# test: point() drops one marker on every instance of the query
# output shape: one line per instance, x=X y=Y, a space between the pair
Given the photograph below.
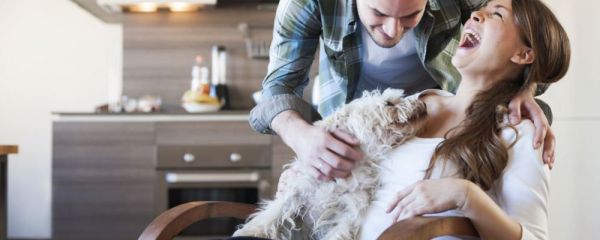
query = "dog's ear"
x=393 y=96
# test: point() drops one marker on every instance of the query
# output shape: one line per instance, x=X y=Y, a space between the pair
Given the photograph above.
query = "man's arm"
x=524 y=105
x=282 y=110
x=296 y=32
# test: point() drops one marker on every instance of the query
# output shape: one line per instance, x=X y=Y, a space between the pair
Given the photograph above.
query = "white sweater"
x=522 y=191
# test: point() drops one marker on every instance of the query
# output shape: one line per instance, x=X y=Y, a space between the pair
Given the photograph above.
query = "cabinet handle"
x=188 y=157
x=235 y=157
x=207 y=177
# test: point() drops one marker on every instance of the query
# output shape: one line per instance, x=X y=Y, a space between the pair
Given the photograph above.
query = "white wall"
x=575 y=191
x=53 y=57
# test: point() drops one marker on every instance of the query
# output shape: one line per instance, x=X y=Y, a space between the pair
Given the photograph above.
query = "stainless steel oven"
x=212 y=173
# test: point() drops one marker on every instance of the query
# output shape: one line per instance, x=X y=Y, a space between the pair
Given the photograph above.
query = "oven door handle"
x=211 y=177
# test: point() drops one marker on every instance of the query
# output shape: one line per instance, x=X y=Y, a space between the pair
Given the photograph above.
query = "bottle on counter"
x=200 y=80
x=198 y=98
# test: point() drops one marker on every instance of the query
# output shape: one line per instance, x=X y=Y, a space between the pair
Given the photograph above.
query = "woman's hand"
x=429 y=196
x=524 y=105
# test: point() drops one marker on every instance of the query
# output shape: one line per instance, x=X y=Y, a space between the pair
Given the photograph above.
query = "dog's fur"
x=310 y=209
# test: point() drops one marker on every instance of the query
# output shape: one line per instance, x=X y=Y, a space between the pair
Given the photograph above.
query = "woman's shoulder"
x=427 y=92
x=522 y=154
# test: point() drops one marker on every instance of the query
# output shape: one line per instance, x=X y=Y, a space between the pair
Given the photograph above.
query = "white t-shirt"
x=522 y=190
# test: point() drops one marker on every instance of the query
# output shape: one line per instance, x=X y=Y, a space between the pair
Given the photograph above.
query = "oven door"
x=245 y=186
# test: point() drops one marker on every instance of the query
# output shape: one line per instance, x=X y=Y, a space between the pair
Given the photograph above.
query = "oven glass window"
x=217 y=227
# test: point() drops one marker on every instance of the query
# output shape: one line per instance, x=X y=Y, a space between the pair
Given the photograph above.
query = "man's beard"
x=390 y=44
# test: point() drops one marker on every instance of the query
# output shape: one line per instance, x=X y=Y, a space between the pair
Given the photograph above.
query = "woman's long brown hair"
x=476 y=144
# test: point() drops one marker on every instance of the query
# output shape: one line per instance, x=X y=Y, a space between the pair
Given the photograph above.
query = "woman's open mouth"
x=470 y=39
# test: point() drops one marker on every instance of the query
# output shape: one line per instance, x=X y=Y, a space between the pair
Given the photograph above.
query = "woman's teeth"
x=471 y=39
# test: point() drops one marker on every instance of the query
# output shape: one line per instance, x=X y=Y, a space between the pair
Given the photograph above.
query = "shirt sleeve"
x=296 y=33
x=525 y=183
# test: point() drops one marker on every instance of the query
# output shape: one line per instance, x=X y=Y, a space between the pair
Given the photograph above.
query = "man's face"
x=388 y=20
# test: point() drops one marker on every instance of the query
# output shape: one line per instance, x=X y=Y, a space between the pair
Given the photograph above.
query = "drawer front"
x=227 y=156
x=209 y=133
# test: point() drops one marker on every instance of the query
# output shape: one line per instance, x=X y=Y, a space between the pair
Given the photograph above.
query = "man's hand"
x=330 y=154
x=524 y=105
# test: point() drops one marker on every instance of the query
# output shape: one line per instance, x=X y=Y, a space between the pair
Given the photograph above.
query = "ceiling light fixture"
x=145 y=7
x=153 y=5
x=183 y=7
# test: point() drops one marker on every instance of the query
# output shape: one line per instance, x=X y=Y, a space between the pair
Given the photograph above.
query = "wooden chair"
x=171 y=222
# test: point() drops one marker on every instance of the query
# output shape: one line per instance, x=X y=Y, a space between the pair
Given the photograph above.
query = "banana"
x=191 y=96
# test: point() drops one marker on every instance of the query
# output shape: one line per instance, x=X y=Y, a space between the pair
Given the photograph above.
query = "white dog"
x=310 y=209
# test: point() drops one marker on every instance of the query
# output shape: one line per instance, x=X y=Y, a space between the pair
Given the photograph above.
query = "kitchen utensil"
x=219 y=87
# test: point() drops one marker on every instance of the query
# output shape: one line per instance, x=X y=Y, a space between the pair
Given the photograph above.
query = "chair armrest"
x=171 y=222
x=419 y=228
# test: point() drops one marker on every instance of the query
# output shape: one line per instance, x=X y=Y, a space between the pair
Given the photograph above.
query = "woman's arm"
x=488 y=218
x=521 y=207
x=438 y=195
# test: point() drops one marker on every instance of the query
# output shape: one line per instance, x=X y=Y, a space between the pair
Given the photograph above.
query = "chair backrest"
x=171 y=222
x=418 y=228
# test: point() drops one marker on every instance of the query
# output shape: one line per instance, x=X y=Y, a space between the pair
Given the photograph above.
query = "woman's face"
x=490 y=41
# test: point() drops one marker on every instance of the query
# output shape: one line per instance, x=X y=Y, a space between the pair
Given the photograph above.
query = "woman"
x=472 y=161
x=476 y=163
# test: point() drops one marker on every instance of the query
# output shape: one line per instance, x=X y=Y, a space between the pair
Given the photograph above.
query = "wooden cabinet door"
x=103 y=180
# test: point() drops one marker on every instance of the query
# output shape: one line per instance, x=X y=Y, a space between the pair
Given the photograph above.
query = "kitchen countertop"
x=8 y=149
x=173 y=116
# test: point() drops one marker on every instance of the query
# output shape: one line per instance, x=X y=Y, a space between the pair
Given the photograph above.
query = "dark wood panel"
x=85 y=156
x=103 y=180
x=208 y=133
x=102 y=133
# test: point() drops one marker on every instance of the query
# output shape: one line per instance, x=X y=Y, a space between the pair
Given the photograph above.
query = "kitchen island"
x=110 y=170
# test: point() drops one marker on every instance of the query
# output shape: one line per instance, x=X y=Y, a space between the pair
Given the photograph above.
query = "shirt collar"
x=352 y=14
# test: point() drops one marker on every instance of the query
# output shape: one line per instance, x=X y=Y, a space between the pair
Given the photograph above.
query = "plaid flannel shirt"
x=301 y=25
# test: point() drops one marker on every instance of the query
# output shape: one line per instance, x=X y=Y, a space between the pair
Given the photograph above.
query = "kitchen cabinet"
x=102 y=180
x=109 y=171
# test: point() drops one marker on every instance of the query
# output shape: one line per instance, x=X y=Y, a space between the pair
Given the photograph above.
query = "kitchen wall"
x=159 y=51
x=53 y=57
x=56 y=57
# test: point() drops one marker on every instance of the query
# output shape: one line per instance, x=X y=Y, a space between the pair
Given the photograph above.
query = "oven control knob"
x=235 y=157
x=188 y=157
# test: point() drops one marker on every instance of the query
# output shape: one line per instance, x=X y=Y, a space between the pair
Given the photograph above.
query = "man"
x=363 y=45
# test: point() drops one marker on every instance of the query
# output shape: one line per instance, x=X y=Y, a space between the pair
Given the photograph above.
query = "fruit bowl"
x=200 y=107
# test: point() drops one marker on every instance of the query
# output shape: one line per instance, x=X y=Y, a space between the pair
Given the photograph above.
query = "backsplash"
x=159 y=51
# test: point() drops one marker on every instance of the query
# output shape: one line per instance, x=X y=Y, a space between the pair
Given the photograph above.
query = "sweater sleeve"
x=524 y=187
